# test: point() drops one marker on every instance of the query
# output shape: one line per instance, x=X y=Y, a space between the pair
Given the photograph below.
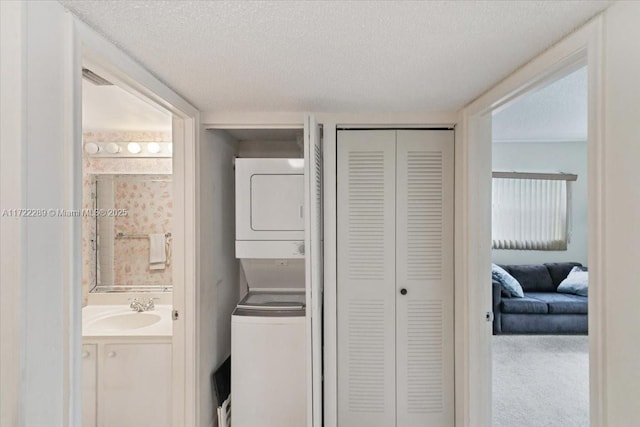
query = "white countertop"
x=95 y=321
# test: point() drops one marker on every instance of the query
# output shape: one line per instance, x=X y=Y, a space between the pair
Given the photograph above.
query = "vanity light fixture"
x=91 y=148
x=134 y=148
x=153 y=147
x=139 y=149
x=112 y=148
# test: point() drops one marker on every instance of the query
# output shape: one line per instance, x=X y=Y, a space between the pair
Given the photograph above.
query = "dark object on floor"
x=542 y=310
x=221 y=381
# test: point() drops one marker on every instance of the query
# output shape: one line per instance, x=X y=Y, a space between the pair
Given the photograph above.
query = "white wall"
x=258 y=149
x=113 y=108
x=11 y=159
x=568 y=157
x=219 y=272
x=621 y=247
x=37 y=42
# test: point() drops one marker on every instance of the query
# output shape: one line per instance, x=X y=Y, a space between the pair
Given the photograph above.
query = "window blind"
x=529 y=214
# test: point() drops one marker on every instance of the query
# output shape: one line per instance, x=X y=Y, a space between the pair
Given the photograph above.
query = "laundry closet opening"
x=254 y=265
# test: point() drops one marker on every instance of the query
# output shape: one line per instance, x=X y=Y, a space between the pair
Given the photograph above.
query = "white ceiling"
x=556 y=112
x=112 y=108
x=340 y=56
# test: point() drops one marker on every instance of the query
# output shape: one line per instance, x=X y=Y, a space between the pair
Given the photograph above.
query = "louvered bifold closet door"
x=366 y=276
x=424 y=278
x=313 y=267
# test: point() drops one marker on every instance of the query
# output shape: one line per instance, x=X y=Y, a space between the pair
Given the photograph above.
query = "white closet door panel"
x=424 y=268
x=366 y=276
x=314 y=267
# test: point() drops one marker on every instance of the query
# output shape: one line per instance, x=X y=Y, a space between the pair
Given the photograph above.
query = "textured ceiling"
x=557 y=112
x=109 y=107
x=333 y=56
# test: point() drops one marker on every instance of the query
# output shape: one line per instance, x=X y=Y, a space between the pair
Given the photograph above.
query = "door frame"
x=105 y=58
x=473 y=221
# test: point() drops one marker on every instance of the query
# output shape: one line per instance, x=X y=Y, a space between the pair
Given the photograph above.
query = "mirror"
x=132 y=239
x=127 y=164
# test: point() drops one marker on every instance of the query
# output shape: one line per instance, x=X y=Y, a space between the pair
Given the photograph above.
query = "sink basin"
x=124 y=321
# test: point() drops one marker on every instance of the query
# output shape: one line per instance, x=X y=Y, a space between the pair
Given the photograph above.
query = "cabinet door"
x=366 y=277
x=313 y=266
x=89 y=384
x=136 y=385
x=424 y=278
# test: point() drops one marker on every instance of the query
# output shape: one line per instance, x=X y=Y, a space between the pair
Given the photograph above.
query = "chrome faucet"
x=136 y=305
x=145 y=305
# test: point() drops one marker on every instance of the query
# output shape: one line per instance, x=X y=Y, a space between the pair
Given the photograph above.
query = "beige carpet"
x=540 y=381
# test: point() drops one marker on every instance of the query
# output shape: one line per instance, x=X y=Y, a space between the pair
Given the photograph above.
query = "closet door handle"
x=403 y=291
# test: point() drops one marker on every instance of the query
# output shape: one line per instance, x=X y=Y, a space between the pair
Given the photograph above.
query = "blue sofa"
x=542 y=310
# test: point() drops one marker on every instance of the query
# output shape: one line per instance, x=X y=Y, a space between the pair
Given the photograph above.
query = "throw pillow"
x=577 y=282
x=508 y=283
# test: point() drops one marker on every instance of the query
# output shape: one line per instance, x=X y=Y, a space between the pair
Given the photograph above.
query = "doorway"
x=539 y=238
x=474 y=336
x=127 y=251
x=107 y=61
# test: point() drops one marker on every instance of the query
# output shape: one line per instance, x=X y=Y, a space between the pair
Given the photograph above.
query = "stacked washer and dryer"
x=268 y=327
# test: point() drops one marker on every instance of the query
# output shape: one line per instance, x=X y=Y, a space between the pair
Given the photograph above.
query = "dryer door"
x=277 y=202
x=269 y=199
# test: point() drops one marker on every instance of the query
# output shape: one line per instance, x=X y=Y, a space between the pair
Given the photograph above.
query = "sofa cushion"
x=577 y=282
x=560 y=270
x=508 y=283
x=544 y=324
x=562 y=303
x=525 y=305
x=532 y=278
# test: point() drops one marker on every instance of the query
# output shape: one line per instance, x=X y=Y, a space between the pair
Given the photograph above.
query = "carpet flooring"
x=540 y=381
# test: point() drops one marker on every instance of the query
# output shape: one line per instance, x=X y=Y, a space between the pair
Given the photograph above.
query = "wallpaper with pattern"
x=149 y=204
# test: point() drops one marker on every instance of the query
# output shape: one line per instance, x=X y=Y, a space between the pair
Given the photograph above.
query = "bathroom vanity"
x=126 y=366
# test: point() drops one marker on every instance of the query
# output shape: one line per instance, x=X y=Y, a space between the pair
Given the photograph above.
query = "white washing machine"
x=268 y=360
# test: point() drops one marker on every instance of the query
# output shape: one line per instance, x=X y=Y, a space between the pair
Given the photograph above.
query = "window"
x=530 y=211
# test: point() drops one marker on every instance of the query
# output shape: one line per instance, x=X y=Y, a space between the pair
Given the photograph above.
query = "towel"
x=167 y=249
x=157 y=252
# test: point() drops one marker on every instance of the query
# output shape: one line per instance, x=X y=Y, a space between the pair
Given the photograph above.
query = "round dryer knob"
x=403 y=291
x=301 y=248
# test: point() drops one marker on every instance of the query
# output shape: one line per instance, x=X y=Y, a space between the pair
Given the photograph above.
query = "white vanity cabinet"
x=136 y=385
x=89 y=384
x=126 y=382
